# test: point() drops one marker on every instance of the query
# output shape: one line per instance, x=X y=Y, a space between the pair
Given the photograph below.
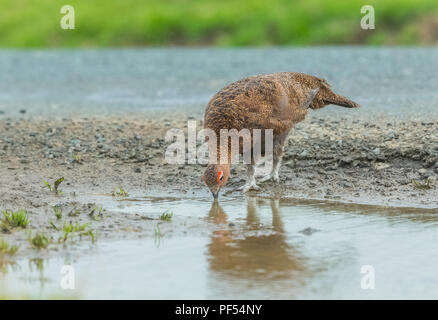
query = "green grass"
x=36 y=23
x=38 y=241
x=52 y=224
x=58 y=212
x=425 y=184
x=14 y=219
x=119 y=193
x=96 y=213
x=55 y=187
x=6 y=248
x=166 y=216
x=157 y=235
x=77 y=158
x=69 y=229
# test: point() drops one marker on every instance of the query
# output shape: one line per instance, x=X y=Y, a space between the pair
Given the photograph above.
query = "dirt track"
x=324 y=159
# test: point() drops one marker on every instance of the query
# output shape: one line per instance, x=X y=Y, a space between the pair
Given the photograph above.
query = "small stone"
x=303 y=154
x=344 y=161
x=347 y=184
x=403 y=181
x=132 y=154
x=76 y=143
x=291 y=164
x=380 y=165
x=309 y=231
x=137 y=170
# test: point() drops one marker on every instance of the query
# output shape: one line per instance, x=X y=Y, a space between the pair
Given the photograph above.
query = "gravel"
x=324 y=159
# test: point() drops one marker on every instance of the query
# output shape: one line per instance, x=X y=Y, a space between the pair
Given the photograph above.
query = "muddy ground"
x=381 y=163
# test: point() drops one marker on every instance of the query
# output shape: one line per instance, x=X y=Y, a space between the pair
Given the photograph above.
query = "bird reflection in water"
x=251 y=249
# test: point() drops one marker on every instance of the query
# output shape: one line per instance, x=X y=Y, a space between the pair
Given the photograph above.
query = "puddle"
x=249 y=249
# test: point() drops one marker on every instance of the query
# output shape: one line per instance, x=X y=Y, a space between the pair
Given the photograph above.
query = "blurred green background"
x=115 y=23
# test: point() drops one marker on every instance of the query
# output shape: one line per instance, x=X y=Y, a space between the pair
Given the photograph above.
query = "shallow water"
x=250 y=248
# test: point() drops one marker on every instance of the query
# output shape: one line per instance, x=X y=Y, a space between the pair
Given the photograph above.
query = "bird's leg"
x=276 y=168
x=278 y=155
x=251 y=183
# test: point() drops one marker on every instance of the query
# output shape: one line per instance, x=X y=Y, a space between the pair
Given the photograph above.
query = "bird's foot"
x=249 y=186
x=272 y=176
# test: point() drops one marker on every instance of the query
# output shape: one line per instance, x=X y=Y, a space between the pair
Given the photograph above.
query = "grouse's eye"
x=220 y=176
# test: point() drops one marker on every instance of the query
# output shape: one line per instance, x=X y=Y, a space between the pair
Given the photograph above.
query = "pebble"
x=76 y=143
x=290 y=164
x=311 y=149
x=344 y=161
x=376 y=151
x=380 y=165
x=308 y=231
x=303 y=154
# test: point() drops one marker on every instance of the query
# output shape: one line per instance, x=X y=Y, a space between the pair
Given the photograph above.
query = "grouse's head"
x=216 y=177
x=325 y=95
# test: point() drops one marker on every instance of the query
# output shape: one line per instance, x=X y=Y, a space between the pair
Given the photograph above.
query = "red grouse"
x=273 y=101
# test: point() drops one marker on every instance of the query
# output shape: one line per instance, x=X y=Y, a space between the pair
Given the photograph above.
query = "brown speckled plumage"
x=273 y=101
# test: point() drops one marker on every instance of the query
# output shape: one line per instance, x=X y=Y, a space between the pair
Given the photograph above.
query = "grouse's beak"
x=342 y=101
